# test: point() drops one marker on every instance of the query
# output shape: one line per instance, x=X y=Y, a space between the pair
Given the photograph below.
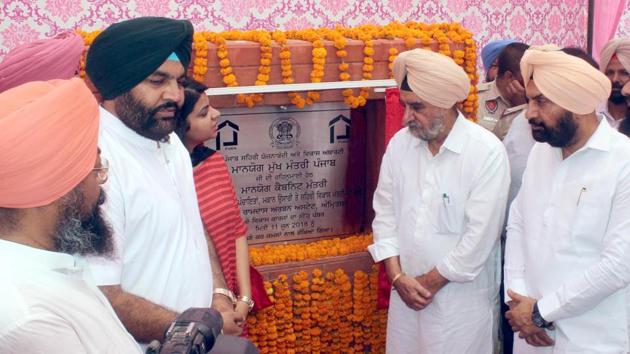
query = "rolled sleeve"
x=385 y=249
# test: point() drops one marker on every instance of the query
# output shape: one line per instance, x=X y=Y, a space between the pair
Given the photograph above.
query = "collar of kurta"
x=114 y=123
x=13 y=255
x=455 y=139
x=600 y=140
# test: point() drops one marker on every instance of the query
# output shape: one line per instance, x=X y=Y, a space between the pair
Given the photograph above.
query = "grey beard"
x=84 y=237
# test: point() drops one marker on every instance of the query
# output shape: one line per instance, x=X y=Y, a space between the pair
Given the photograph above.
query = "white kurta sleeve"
x=108 y=270
x=610 y=274
x=46 y=334
x=384 y=225
x=484 y=212
x=514 y=257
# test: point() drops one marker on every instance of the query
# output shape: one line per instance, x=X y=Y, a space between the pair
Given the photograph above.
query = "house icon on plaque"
x=227 y=134
x=341 y=124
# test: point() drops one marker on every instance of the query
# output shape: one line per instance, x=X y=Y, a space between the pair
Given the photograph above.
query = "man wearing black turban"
x=162 y=262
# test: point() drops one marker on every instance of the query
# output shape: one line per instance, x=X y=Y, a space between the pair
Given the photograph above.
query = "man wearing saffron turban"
x=566 y=263
x=50 y=217
x=440 y=204
x=163 y=263
x=45 y=59
x=615 y=64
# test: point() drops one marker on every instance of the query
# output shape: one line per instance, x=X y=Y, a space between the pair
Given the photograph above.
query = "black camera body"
x=193 y=332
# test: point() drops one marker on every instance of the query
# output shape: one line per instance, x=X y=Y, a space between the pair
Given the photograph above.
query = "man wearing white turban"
x=439 y=206
x=615 y=64
x=568 y=243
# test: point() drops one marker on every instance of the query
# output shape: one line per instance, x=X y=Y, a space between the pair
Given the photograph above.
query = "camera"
x=193 y=332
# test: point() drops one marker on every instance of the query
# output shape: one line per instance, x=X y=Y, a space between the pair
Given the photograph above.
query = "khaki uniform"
x=495 y=113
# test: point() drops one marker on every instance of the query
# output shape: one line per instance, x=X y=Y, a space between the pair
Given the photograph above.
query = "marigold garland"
x=277 y=254
x=302 y=312
x=412 y=33
x=329 y=313
x=88 y=38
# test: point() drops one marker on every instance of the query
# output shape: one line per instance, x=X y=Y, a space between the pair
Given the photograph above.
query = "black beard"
x=562 y=135
x=75 y=234
x=616 y=97
x=141 y=119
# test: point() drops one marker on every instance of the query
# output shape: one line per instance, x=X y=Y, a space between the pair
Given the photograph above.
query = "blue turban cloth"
x=491 y=51
x=128 y=52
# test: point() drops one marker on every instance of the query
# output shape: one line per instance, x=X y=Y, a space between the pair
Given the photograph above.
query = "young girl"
x=218 y=204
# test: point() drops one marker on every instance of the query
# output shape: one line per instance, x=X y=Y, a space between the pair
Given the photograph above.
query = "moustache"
x=537 y=123
x=165 y=106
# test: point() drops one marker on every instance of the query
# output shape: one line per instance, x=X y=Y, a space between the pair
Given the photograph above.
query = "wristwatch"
x=249 y=301
x=538 y=320
x=227 y=293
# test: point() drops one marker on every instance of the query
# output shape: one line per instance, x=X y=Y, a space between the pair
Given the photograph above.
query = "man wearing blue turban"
x=489 y=55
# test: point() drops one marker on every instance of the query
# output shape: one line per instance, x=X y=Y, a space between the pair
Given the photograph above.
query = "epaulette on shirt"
x=514 y=109
x=484 y=86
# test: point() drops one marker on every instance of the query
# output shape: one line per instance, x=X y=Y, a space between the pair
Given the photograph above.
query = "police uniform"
x=495 y=113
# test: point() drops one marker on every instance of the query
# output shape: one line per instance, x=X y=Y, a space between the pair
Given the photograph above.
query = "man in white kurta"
x=162 y=264
x=568 y=241
x=50 y=217
x=439 y=206
x=615 y=64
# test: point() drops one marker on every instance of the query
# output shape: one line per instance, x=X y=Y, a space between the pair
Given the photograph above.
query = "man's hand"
x=520 y=318
x=433 y=281
x=516 y=93
x=539 y=339
x=412 y=293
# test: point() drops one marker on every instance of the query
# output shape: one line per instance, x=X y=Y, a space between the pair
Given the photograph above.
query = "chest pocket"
x=591 y=216
x=586 y=208
x=449 y=211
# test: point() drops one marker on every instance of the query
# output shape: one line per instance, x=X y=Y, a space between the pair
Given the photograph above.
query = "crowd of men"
x=552 y=156
x=102 y=244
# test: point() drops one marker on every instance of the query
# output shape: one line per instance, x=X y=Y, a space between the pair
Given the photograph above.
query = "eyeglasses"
x=101 y=172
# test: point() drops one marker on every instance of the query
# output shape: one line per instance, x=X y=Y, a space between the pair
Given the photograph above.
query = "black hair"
x=404 y=85
x=192 y=92
x=510 y=58
x=580 y=53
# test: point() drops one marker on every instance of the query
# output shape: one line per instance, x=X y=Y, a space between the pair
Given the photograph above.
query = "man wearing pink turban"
x=50 y=216
x=45 y=59
x=615 y=64
x=568 y=243
x=440 y=205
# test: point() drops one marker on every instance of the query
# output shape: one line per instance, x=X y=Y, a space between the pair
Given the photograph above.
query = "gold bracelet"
x=396 y=277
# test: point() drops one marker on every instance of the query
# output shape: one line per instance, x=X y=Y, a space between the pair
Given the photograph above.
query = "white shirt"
x=160 y=246
x=49 y=303
x=518 y=142
x=603 y=110
x=447 y=211
x=568 y=241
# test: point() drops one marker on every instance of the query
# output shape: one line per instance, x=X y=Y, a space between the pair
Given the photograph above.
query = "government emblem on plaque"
x=284 y=133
